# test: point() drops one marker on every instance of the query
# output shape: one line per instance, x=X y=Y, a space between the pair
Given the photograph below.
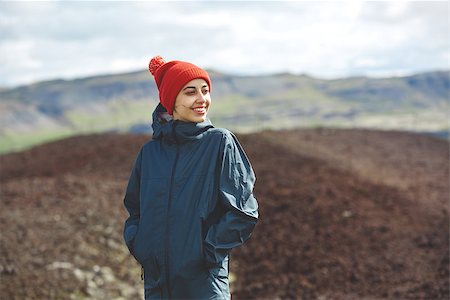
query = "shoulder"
x=225 y=137
x=228 y=140
x=149 y=147
x=150 y=143
x=222 y=133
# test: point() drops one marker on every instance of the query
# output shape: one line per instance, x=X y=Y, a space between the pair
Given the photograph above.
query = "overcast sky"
x=47 y=40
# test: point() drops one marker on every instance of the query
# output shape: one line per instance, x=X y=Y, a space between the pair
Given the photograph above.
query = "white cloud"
x=327 y=39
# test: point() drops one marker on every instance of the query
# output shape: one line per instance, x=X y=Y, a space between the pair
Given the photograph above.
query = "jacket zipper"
x=172 y=178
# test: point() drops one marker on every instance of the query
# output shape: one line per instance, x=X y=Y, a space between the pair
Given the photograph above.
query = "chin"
x=199 y=120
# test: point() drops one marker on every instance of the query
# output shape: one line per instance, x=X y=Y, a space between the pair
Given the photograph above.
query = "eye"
x=205 y=91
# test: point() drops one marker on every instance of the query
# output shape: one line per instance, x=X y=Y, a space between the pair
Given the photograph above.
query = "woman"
x=189 y=195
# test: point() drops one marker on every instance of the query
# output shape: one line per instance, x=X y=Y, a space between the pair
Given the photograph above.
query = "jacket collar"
x=165 y=128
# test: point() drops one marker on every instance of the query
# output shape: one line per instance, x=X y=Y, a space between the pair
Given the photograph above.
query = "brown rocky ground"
x=345 y=214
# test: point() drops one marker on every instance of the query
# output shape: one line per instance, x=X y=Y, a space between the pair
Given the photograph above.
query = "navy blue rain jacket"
x=190 y=201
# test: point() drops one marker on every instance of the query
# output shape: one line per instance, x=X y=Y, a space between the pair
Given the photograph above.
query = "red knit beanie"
x=171 y=76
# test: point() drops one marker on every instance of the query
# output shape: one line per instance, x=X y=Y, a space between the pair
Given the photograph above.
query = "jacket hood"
x=167 y=129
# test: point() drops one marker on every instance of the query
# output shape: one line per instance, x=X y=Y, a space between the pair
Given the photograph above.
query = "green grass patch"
x=228 y=105
x=19 y=141
x=117 y=115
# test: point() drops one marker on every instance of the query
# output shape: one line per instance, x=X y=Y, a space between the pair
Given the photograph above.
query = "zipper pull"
x=142 y=273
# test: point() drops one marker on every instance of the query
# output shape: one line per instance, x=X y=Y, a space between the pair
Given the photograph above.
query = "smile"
x=200 y=110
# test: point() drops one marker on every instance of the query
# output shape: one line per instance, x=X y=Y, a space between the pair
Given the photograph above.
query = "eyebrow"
x=193 y=87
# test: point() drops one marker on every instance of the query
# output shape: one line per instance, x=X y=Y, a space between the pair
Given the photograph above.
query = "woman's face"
x=192 y=102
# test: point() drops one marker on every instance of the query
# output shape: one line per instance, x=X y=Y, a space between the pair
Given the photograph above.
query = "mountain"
x=53 y=109
x=344 y=214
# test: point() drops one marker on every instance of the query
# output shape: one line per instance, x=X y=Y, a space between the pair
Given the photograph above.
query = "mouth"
x=201 y=110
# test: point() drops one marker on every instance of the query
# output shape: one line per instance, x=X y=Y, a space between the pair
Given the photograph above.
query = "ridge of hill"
x=54 y=109
x=344 y=214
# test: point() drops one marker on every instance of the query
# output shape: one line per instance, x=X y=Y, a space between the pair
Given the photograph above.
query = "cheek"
x=184 y=102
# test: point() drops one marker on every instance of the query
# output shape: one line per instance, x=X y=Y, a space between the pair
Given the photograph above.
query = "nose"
x=201 y=98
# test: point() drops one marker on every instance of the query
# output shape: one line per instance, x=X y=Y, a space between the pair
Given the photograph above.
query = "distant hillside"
x=53 y=109
x=344 y=214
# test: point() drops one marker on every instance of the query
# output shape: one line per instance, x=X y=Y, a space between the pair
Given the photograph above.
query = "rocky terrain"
x=344 y=214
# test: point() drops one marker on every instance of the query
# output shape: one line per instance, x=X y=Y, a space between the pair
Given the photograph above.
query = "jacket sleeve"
x=132 y=203
x=236 y=195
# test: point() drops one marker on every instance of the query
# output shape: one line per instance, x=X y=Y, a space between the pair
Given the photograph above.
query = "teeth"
x=200 y=109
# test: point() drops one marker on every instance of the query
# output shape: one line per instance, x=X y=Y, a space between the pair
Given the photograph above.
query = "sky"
x=61 y=39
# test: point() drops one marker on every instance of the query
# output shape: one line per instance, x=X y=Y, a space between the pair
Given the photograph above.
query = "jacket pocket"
x=135 y=246
x=150 y=232
x=132 y=243
x=220 y=271
x=152 y=274
x=202 y=235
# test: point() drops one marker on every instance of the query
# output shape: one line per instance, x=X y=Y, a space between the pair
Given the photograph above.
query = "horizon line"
x=397 y=74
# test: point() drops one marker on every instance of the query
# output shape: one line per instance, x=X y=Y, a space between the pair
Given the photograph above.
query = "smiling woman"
x=190 y=193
